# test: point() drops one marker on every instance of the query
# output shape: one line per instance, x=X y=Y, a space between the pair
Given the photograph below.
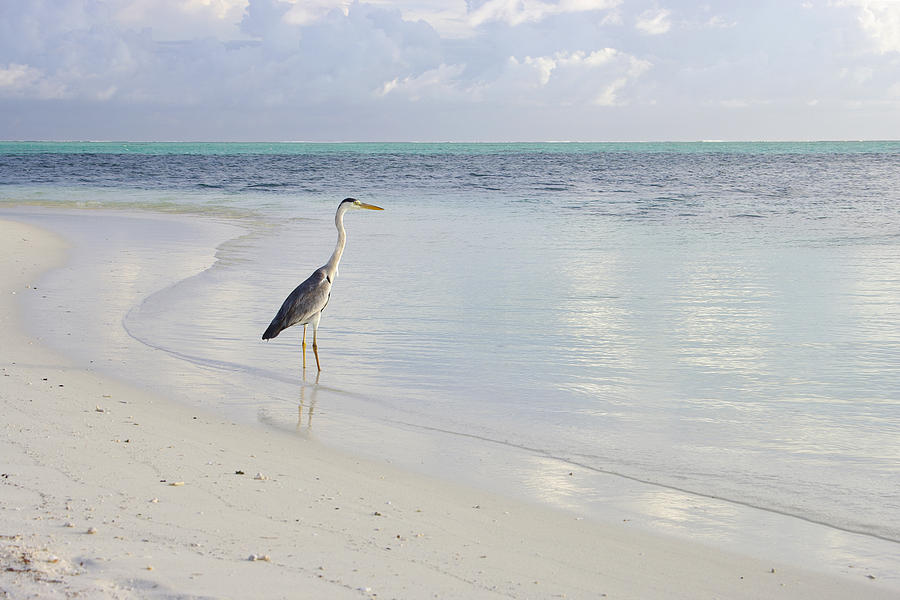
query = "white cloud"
x=880 y=19
x=516 y=12
x=305 y=12
x=545 y=65
x=719 y=22
x=330 y=65
x=453 y=18
x=609 y=95
x=654 y=21
x=448 y=17
x=23 y=80
x=568 y=78
x=180 y=19
x=440 y=82
x=15 y=77
x=270 y=53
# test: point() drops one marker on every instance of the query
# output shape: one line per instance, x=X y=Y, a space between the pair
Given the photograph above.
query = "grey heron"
x=305 y=304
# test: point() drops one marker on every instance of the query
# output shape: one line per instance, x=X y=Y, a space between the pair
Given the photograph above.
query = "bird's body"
x=305 y=304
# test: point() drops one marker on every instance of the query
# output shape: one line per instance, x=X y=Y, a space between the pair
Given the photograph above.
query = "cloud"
x=566 y=78
x=654 y=21
x=305 y=12
x=17 y=80
x=880 y=20
x=516 y=12
x=459 y=18
x=719 y=22
x=267 y=58
x=291 y=69
x=179 y=19
x=437 y=83
x=571 y=78
x=269 y=53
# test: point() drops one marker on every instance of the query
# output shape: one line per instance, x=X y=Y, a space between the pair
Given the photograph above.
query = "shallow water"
x=719 y=330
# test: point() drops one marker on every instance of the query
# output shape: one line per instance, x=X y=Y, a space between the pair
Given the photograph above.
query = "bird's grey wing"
x=307 y=299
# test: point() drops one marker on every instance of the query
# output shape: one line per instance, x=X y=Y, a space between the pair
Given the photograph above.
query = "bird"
x=305 y=304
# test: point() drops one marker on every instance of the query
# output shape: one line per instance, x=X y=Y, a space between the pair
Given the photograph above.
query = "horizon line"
x=211 y=141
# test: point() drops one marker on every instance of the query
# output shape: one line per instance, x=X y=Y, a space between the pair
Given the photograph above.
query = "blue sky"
x=462 y=70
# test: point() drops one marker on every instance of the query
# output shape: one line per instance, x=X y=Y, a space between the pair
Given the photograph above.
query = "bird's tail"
x=273 y=330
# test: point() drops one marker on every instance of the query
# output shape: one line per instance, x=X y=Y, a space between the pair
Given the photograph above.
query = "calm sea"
x=716 y=323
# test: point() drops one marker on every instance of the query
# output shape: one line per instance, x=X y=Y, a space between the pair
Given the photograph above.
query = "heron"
x=305 y=304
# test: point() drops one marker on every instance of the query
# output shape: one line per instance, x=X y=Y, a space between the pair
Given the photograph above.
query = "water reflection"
x=308 y=405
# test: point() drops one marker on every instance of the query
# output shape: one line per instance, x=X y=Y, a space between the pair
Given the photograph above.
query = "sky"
x=449 y=70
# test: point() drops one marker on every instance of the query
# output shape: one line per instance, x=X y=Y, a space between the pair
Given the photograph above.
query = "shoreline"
x=85 y=450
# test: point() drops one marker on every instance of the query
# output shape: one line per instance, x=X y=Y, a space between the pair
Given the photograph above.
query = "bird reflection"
x=309 y=406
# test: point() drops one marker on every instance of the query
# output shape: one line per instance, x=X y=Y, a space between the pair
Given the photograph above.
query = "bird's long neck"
x=331 y=268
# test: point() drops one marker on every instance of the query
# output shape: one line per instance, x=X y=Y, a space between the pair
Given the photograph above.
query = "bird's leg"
x=316 y=349
x=304 y=347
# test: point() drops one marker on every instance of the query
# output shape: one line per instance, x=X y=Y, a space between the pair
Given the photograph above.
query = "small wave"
x=584 y=462
x=267 y=185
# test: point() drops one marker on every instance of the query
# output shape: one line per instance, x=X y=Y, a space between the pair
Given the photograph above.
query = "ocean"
x=700 y=337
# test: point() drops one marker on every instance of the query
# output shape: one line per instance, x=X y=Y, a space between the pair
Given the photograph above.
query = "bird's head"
x=352 y=203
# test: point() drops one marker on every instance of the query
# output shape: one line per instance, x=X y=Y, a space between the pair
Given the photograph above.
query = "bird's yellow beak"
x=369 y=206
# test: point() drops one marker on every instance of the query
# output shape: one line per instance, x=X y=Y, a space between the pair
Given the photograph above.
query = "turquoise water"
x=288 y=148
x=716 y=323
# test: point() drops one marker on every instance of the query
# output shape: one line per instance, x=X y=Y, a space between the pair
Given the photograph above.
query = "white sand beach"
x=109 y=491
